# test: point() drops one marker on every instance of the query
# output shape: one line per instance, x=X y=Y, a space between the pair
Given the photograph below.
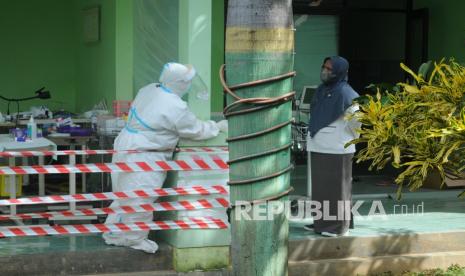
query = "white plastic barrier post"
x=25 y=162
x=11 y=162
x=309 y=174
x=83 y=158
x=72 y=183
x=41 y=178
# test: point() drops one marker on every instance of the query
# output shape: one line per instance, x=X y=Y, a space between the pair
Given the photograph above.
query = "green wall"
x=316 y=37
x=96 y=73
x=217 y=54
x=182 y=31
x=447 y=28
x=195 y=47
x=155 y=39
x=42 y=45
x=37 y=49
x=124 y=51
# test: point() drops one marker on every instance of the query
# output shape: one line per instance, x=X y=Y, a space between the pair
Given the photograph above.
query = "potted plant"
x=420 y=128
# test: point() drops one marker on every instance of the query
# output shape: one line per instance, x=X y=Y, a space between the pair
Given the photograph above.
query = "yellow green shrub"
x=418 y=129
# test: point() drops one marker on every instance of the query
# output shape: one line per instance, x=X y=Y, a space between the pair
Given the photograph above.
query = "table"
x=44 y=121
x=7 y=143
x=72 y=142
x=106 y=141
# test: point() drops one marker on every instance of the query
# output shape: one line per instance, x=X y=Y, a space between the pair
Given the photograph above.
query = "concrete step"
x=313 y=249
x=169 y=273
x=374 y=265
x=312 y=256
x=107 y=260
x=140 y=273
x=341 y=267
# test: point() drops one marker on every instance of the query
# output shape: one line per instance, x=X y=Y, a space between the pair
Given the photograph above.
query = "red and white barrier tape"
x=42 y=230
x=205 y=149
x=194 y=190
x=64 y=152
x=183 y=205
x=95 y=152
x=158 y=166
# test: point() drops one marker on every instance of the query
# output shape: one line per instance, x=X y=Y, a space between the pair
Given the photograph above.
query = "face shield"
x=199 y=89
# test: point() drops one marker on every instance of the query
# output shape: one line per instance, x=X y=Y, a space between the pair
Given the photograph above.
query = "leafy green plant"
x=419 y=128
x=453 y=270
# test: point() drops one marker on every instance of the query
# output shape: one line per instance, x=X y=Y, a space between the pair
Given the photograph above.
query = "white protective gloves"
x=222 y=125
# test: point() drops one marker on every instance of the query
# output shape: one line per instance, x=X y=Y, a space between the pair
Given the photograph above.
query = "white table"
x=72 y=142
x=7 y=143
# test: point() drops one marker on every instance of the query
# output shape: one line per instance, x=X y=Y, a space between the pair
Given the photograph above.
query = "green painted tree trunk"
x=259 y=44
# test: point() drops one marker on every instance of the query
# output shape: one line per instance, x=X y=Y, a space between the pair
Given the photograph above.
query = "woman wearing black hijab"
x=331 y=162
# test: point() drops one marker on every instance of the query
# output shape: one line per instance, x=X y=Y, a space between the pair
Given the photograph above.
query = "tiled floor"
x=51 y=244
x=440 y=214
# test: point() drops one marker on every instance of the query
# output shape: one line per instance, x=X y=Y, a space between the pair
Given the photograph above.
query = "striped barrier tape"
x=184 y=205
x=194 y=190
x=205 y=149
x=42 y=230
x=159 y=166
x=96 y=152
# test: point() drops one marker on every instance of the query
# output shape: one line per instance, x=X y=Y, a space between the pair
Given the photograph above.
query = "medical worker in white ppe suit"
x=157 y=119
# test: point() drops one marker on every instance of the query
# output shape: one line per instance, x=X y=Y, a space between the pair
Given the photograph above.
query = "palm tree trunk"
x=259 y=45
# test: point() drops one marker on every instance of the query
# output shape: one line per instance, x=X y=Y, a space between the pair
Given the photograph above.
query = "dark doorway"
x=375 y=36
